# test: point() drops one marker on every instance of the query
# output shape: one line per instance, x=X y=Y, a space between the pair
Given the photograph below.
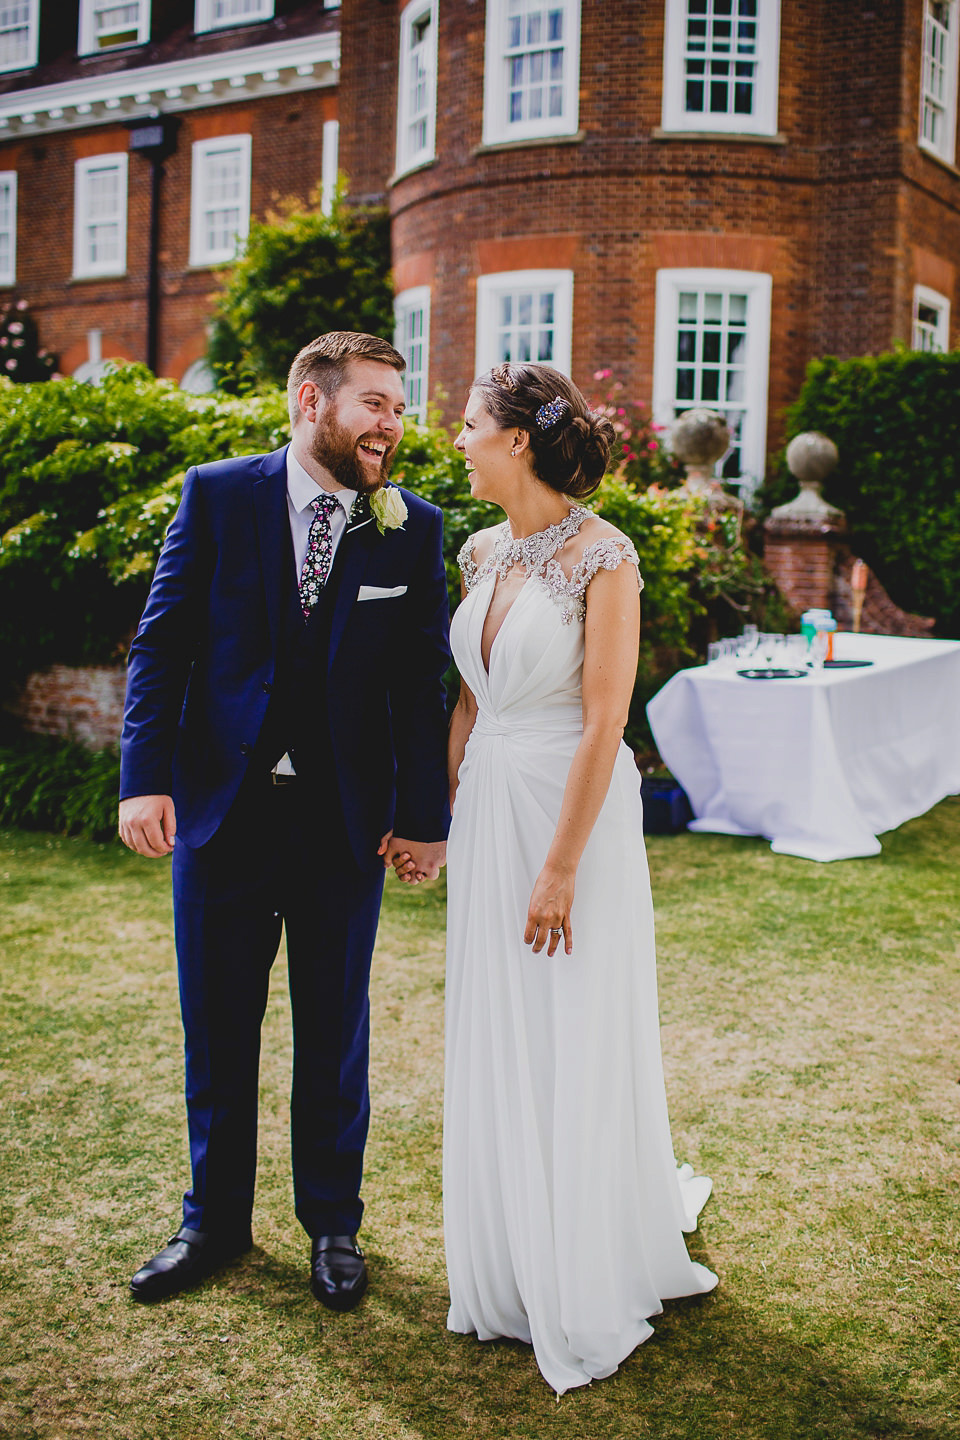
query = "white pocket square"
x=380 y=592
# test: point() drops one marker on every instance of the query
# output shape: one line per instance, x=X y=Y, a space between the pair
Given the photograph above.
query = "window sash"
x=721 y=66
x=8 y=227
x=532 y=69
x=220 y=211
x=412 y=339
x=18 y=34
x=931 y=320
x=108 y=23
x=100 y=233
x=417 y=85
x=938 y=78
x=215 y=14
x=525 y=316
x=712 y=349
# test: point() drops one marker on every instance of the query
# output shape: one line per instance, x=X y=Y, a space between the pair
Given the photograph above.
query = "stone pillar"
x=803 y=538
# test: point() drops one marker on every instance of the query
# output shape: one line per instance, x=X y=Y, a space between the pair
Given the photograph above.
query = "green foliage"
x=644 y=459
x=22 y=358
x=301 y=273
x=895 y=419
x=48 y=784
x=89 y=478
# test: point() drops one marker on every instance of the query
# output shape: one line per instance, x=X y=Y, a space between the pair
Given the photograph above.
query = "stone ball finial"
x=699 y=437
x=811 y=456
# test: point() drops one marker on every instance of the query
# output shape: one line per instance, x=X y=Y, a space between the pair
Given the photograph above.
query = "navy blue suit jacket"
x=203 y=661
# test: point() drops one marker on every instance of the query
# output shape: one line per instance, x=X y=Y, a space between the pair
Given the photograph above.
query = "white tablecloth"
x=819 y=765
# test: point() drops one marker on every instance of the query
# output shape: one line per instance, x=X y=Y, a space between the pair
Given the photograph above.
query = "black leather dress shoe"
x=188 y=1259
x=338 y=1275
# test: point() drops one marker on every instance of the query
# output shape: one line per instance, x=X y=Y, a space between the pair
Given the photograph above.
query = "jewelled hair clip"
x=548 y=415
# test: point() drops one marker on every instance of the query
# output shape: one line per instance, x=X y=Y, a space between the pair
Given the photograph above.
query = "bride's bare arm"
x=611 y=640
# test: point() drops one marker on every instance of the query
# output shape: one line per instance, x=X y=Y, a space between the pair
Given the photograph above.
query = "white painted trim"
x=675 y=116
x=948 y=150
x=87 y=39
x=33 y=38
x=9 y=276
x=200 y=253
x=497 y=127
x=923 y=295
x=329 y=165
x=406 y=158
x=759 y=288
x=83 y=266
x=489 y=287
x=204 y=18
x=309 y=63
x=406 y=303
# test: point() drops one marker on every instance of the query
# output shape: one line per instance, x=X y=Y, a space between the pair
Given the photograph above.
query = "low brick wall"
x=79 y=703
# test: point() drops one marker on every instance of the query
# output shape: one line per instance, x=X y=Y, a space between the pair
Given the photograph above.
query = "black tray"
x=845 y=664
x=768 y=674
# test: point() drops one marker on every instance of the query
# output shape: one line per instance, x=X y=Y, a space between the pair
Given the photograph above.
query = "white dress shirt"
x=302 y=490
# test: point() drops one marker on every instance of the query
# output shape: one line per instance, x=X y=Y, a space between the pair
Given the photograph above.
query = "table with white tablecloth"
x=824 y=763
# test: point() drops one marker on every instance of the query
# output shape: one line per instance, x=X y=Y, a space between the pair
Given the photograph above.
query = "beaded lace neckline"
x=537 y=555
x=534 y=551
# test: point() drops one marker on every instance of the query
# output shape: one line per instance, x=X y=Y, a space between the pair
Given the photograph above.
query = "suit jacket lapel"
x=273 y=534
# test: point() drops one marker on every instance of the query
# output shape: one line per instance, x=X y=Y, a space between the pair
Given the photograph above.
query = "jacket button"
x=267 y=687
x=246 y=749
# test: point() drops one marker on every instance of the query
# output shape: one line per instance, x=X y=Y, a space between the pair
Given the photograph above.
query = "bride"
x=563 y=1204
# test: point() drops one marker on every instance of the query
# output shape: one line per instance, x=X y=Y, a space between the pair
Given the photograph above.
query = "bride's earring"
x=513 y=452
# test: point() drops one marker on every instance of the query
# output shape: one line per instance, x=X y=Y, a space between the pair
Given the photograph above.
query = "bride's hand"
x=548 y=916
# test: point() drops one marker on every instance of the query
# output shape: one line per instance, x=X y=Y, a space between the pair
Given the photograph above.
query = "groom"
x=285 y=722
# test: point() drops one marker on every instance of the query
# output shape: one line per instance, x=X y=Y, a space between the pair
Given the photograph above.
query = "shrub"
x=48 y=784
x=301 y=273
x=895 y=419
x=22 y=358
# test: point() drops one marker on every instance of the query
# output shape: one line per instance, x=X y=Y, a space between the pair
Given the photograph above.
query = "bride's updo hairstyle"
x=570 y=446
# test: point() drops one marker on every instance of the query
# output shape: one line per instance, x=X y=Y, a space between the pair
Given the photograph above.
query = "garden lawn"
x=811 y=1047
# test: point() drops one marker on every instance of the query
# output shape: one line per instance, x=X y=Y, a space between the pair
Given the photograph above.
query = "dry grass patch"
x=811 y=1050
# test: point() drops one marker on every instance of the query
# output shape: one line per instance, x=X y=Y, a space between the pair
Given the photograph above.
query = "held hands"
x=413 y=860
x=548 y=917
x=148 y=824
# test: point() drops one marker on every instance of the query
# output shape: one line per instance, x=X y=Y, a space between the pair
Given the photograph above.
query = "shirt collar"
x=303 y=489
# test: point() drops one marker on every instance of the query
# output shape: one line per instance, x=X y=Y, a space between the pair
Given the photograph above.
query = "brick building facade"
x=698 y=194
x=245 y=94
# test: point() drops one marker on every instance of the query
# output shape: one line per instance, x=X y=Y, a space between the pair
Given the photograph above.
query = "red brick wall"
x=83 y=704
x=287 y=150
x=846 y=215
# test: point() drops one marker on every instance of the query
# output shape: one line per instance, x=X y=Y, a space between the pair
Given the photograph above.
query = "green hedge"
x=48 y=784
x=90 y=476
x=895 y=419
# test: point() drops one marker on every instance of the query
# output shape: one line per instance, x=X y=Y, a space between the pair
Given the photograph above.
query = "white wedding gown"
x=563 y=1204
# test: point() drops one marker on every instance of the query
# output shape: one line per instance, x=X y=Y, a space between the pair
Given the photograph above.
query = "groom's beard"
x=336 y=450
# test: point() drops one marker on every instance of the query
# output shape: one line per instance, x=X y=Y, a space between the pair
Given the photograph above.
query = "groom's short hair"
x=325 y=361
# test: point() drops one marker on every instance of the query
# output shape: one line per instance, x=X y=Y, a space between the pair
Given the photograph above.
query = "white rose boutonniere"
x=388 y=508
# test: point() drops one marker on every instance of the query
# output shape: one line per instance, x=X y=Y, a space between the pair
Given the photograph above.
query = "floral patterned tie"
x=317 y=561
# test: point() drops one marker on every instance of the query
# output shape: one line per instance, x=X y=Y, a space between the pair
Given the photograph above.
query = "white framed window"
x=721 y=63
x=8 y=227
x=100 y=215
x=712 y=348
x=931 y=320
x=106 y=23
x=417 y=85
x=213 y=14
x=411 y=336
x=328 y=165
x=525 y=315
x=220 y=199
x=938 y=80
x=531 y=69
x=19 y=24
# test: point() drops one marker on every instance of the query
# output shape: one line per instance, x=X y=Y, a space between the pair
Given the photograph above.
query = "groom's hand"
x=147 y=824
x=415 y=860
